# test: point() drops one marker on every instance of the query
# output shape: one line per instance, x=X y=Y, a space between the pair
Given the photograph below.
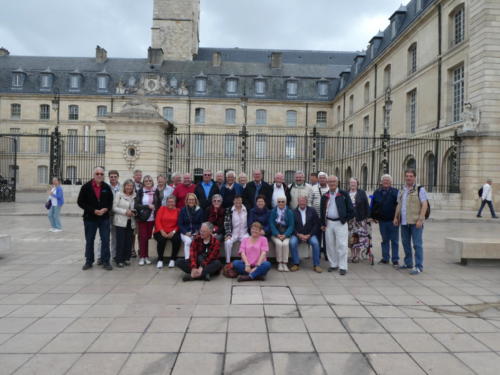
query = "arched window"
x=364 y=177
x=410 y=163
x=451 y=176
x=412 y=58
x=351 y=104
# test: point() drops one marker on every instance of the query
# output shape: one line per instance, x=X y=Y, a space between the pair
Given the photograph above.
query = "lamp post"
x=244 y=132
x=386 y=136
x=55 y=139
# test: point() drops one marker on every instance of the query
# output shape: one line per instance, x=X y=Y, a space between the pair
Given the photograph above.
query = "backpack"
x=428 y=212
x=480 y=192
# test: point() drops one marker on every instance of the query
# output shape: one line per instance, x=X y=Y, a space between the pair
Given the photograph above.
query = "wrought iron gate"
x=8 y=168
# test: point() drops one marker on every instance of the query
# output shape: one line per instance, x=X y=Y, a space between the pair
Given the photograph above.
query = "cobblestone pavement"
x=57 y=319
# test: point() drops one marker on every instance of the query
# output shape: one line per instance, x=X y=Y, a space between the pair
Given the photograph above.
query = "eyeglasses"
x=217 y=200
x=148 y=180
x=113 y=176
x=207 y=174
x=99 y=174
x=281 y=201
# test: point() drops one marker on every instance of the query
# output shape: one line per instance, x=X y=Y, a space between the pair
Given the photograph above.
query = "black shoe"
x=86 y=266
x=383 y=261
x=207 y=277
x=342 y=272
x=260 y=278
x=478 y=216
x=134 y=254
x=120 y=265
x=127 y=262
x=331 y=269
x=107 y=267
x=187 y=277
x=99 y=261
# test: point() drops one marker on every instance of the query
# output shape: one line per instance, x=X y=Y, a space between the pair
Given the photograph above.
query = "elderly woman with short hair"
x=282 y=223
x=167 y=229
x=215 y=215
x=203 y=262
x=253 y=250
x=124 y=221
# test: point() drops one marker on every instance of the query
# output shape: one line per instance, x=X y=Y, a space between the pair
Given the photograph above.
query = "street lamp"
x=385 y=136
x=56 y=103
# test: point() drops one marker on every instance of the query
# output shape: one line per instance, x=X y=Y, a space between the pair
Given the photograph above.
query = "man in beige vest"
x=410 y=214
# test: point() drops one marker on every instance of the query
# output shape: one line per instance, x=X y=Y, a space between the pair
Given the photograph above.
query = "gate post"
x=455 y=165
x=244 y=146
x=55 y=154
x=170 y=133
x=314 y=150
x=385 y=151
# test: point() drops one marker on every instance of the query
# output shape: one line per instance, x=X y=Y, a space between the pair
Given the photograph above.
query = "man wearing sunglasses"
x=96 y=201
x=206 y=189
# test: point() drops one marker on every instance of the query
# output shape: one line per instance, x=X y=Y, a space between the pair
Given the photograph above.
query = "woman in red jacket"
x=166 y=229
x=215 y=215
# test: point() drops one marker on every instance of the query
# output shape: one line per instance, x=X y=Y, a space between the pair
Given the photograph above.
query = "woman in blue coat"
x=282 y=223
x=260 y=214
x=190 y=219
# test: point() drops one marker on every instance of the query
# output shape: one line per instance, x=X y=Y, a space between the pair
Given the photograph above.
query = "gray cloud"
x=74 y=28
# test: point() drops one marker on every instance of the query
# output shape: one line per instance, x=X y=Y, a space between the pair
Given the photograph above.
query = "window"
x=458 y=93
x=168 y=113
x=15 y=147
x=45 y=81
x=260 y=146
x=291 y=118
x=351 y=104
x=72 y=141
x=366 y=131
x=201 y=85
x=261 y=117
x=292 y=88
x=43 y=175
x=393 y=29
x=230 y=145
x=74 y=82
x=199 y=116
x=351 y=140
x=387 y=77
x=230 y=116
x=260 y=87
x=102 y=83
x=367 y=92
x=44 y=141
x=320 y=148
x=321 y=117
x=323 y=88
x=44 y=112
x=71 y=173
x=412 y=111
x=17 y=80
x=199 y=145
x=73 y=111
x=290 y=147
x=419 y=5
x=458 y=25
x=15 y=111
x=102 y=110
x=101 y=142
x=231 y=85
x=412 y=58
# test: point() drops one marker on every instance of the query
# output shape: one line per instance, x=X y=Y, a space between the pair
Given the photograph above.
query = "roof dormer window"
x=102 y=82
x=75 y=82
x=201 y=85
x=393 y=29
x=231 y=85
x=260 y=86
x=323 y=88
x=46 y=81
x=292 y=87
x=18 y=80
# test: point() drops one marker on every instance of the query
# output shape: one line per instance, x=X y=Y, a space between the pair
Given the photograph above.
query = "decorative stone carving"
x=120 y=88
x=471 y=119
x=131 y=153
x=183 y=90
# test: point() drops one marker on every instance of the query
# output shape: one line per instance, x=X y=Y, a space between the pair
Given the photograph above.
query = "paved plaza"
x=57 y=319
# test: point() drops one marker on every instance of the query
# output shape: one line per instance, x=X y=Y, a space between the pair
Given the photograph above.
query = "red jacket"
x=216 y=217
x=166 y=220
x=198 y=248
x=180 y=193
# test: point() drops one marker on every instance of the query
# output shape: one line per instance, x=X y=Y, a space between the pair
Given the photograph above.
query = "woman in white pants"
x=235 y=225
x=282 y=223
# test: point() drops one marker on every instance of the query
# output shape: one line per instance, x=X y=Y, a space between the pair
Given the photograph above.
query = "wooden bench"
x=473 y=248
x=4 y=242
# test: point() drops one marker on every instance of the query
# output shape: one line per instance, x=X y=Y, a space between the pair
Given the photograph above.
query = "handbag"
x=48 y=204
x=143 y=213
x=229 y=272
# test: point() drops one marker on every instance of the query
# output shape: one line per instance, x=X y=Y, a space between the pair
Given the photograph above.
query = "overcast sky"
x=75 y=27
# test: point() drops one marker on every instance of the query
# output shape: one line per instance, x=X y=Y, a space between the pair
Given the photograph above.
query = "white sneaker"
x=280 y=267
x=285 y=268
x=171 y=264
x=57 y=230
x=147 y=260
x=159 y=265
x=141 y=262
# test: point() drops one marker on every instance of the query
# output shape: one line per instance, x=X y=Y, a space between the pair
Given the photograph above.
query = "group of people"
x=218 y=213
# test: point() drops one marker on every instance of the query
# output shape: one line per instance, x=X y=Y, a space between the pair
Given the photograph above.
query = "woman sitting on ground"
x=215 y=215
x=253 y=250
x=203 y=259
x=166 y=229
x=190 y=219
x=260 y=213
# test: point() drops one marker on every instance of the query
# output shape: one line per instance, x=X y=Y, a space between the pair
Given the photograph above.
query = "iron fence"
x=8 y=168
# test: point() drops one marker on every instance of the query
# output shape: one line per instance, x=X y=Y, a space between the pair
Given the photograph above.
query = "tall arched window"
x=412 y=58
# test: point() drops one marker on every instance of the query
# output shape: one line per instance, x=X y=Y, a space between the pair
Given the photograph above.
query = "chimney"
x=216 y=59
x=375 y=43
x=276 y=60
x=4 y=52
x=155 y=56
x=101 y=55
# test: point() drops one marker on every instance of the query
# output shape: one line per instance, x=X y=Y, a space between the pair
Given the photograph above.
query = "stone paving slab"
x=57 y=319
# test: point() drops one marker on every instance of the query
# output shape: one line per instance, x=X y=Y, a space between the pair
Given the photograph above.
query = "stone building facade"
x=433 y=58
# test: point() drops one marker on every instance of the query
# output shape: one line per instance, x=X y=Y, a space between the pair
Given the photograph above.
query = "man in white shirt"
x=280 y=190
x=299 y=188
x=318 y=190
x=487 y=199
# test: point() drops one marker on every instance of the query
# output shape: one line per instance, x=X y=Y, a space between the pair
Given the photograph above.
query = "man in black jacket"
x=206 y=189
x=96 y=200
x=336 y=211
x=255 y=188
x=306 y=231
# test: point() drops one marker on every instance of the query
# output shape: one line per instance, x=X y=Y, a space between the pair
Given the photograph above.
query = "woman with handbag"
x=144 y=204
x=253 y=250
x=190 y=219
x=54 y=205
x=124 y=221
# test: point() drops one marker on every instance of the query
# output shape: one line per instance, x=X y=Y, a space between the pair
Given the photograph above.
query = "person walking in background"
x=410 y=214
x=280 y=190
x=124 y=222
x=487 y=199
x=253 y=250
x=182 y=190
x=261 y=214
x=359 y=228
x=206 y=189
x=256 y=188
x=190 y=218
x=203 y=261
x=96 y=200
x=336 y=211
x=230 y=189
x=215 y=214
x=144 y=204
x=306 y=231
x=167 y=229
x=56 y=198
x=299 y=188
x=282 y=225
x=383 y=209
x=235 y=226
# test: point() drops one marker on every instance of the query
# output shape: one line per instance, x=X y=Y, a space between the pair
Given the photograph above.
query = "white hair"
x=231 y=173
x=322 y=174
x=388 y=176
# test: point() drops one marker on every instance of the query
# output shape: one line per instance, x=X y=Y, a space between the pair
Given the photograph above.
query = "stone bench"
x=473 y=248
x=4 y=242
x=304 y=250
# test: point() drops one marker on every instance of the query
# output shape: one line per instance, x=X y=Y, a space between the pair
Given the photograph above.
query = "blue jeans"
x=239 y=266
x=490 y=205
x=294 y=248
x=54 y=213
x=91 y=228
x=390 y=239
x=411 y=233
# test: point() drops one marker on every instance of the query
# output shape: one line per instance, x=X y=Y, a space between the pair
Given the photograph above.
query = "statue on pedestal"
x=471 y=119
